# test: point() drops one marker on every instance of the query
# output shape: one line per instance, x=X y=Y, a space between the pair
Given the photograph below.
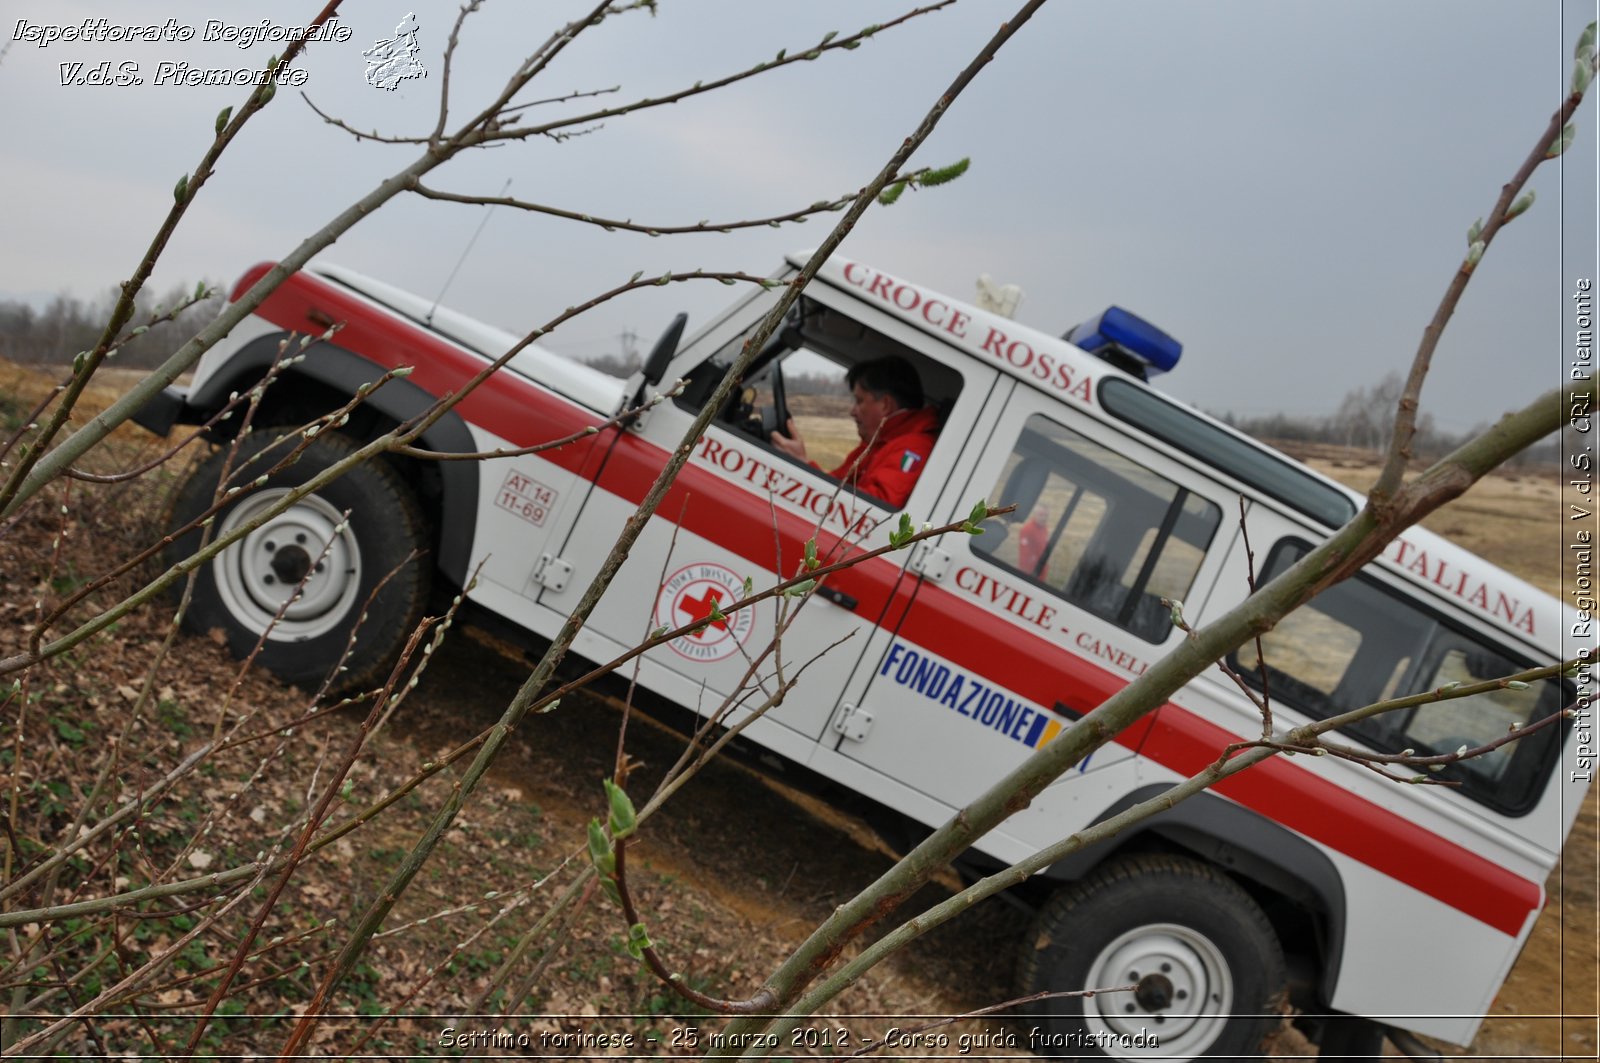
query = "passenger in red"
x=897 y=431
x=1032 y=538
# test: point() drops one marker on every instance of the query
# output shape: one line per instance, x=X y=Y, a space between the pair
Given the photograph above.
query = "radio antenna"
x=464 y=253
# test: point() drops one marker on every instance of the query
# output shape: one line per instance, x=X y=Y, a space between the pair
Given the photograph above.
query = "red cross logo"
x=698 y=591
x=700 y=608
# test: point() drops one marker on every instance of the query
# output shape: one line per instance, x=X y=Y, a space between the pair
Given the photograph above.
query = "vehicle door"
x=743 y=510
x=1014 y=634
x=1471 y=849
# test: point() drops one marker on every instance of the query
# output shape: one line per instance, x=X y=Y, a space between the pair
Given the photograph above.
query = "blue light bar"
x=1116 y=332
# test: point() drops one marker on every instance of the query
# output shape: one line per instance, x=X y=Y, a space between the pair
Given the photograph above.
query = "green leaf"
x=222 y=118
x=600 y=854
x=749 y=586
x=944 y=174
x=623 y=819
x=799 y=589
x=609 y=886
x=892 y=193
x=1562 y=142
x=200 y=291
x=980 y=512
x=716 y=613
x=903 y=533
x=638 y=941
x=811 y=555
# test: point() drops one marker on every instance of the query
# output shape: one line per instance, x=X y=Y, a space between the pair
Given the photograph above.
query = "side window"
x=1358 y=643
x=1098 y=528
x=803 y=375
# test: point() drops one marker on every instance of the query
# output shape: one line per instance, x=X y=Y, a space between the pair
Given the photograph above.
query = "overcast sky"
x=1284 y=186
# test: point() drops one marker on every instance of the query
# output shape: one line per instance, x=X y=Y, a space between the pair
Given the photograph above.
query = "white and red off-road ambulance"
x=1318 y=881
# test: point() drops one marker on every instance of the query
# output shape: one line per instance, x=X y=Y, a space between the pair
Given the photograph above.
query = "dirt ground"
x=733 y=873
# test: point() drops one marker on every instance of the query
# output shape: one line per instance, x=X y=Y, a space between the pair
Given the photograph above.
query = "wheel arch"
x=330 y=372
x=1265 y=856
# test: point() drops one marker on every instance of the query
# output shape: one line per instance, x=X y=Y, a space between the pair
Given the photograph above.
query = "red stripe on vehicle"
x=959 y=630
x=741 y=521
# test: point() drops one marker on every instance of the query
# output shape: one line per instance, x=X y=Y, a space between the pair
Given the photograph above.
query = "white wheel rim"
x=1187 y=998
x=261 y=572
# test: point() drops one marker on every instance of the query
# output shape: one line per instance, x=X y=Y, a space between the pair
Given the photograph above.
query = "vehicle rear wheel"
x=303 y=579
x=1207 y=963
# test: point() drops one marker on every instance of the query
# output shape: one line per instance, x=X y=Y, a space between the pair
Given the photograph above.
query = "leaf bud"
x=1562 y=142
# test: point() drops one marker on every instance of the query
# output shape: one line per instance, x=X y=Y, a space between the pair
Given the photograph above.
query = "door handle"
x=837 y=597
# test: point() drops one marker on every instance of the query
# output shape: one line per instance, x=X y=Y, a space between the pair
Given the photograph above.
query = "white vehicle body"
x=969 y=653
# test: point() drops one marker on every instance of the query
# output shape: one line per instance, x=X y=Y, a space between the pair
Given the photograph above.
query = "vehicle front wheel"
x=310 y=576
x=1207 y=963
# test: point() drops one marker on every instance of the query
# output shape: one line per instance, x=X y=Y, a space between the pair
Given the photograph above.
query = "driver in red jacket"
x=897 y=431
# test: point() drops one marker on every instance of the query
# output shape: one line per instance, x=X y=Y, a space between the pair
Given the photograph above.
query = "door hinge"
x=930 y=561
x=551 y=572
x=853 y=722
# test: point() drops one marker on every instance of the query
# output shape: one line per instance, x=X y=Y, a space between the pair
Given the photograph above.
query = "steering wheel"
x=775 y=416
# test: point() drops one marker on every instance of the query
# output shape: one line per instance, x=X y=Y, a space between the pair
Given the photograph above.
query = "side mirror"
x=655 y=366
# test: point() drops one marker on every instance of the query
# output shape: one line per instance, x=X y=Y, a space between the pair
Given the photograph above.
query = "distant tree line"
x=625 y=365
x=1364 y=419
x=67 y=325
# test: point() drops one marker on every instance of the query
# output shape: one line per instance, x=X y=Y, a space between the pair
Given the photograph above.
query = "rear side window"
x=1097 y=528
x=1358 y=643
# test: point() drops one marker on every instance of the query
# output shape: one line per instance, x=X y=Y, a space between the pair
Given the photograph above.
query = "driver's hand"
x=790 y=444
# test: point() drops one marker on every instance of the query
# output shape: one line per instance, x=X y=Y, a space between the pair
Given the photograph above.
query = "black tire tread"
x=404 y=595
x=1057 y=918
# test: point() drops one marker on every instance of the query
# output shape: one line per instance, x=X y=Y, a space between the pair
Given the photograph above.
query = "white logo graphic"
x=690 y=594
x=393 y=61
